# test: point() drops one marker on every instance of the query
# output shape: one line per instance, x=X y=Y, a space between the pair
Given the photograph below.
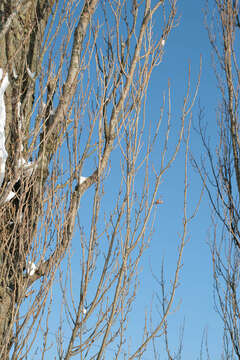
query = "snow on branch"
x=3 y=153
x=31 y=268
x=10 y=196
x=30 y=73
x=27 y=166
x=82 y=179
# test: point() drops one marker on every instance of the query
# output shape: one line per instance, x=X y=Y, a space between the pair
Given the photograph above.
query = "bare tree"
x=73 y=90
x=222 y=174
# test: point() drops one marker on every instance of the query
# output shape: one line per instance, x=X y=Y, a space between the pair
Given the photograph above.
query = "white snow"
x=14 y=72
x=3 y=153
x=82 y=179
x=11 y=195
x=19 y=113
x=31 y=74
x=21 y=162
x=27 y=166
x=31 y=268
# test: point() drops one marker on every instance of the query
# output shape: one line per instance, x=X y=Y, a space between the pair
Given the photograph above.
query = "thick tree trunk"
x=21 y=33
x=6 y=312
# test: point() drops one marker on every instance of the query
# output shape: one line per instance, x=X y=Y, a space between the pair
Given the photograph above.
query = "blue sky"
x=186 y=44
x=194 y=297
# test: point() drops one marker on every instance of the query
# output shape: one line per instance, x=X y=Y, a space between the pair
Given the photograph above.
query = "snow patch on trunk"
x=31 y=268
x=4 y=82
x=10 y=196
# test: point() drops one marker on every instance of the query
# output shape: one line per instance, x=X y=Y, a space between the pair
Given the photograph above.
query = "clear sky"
x=186 y=44
x=193 y=304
